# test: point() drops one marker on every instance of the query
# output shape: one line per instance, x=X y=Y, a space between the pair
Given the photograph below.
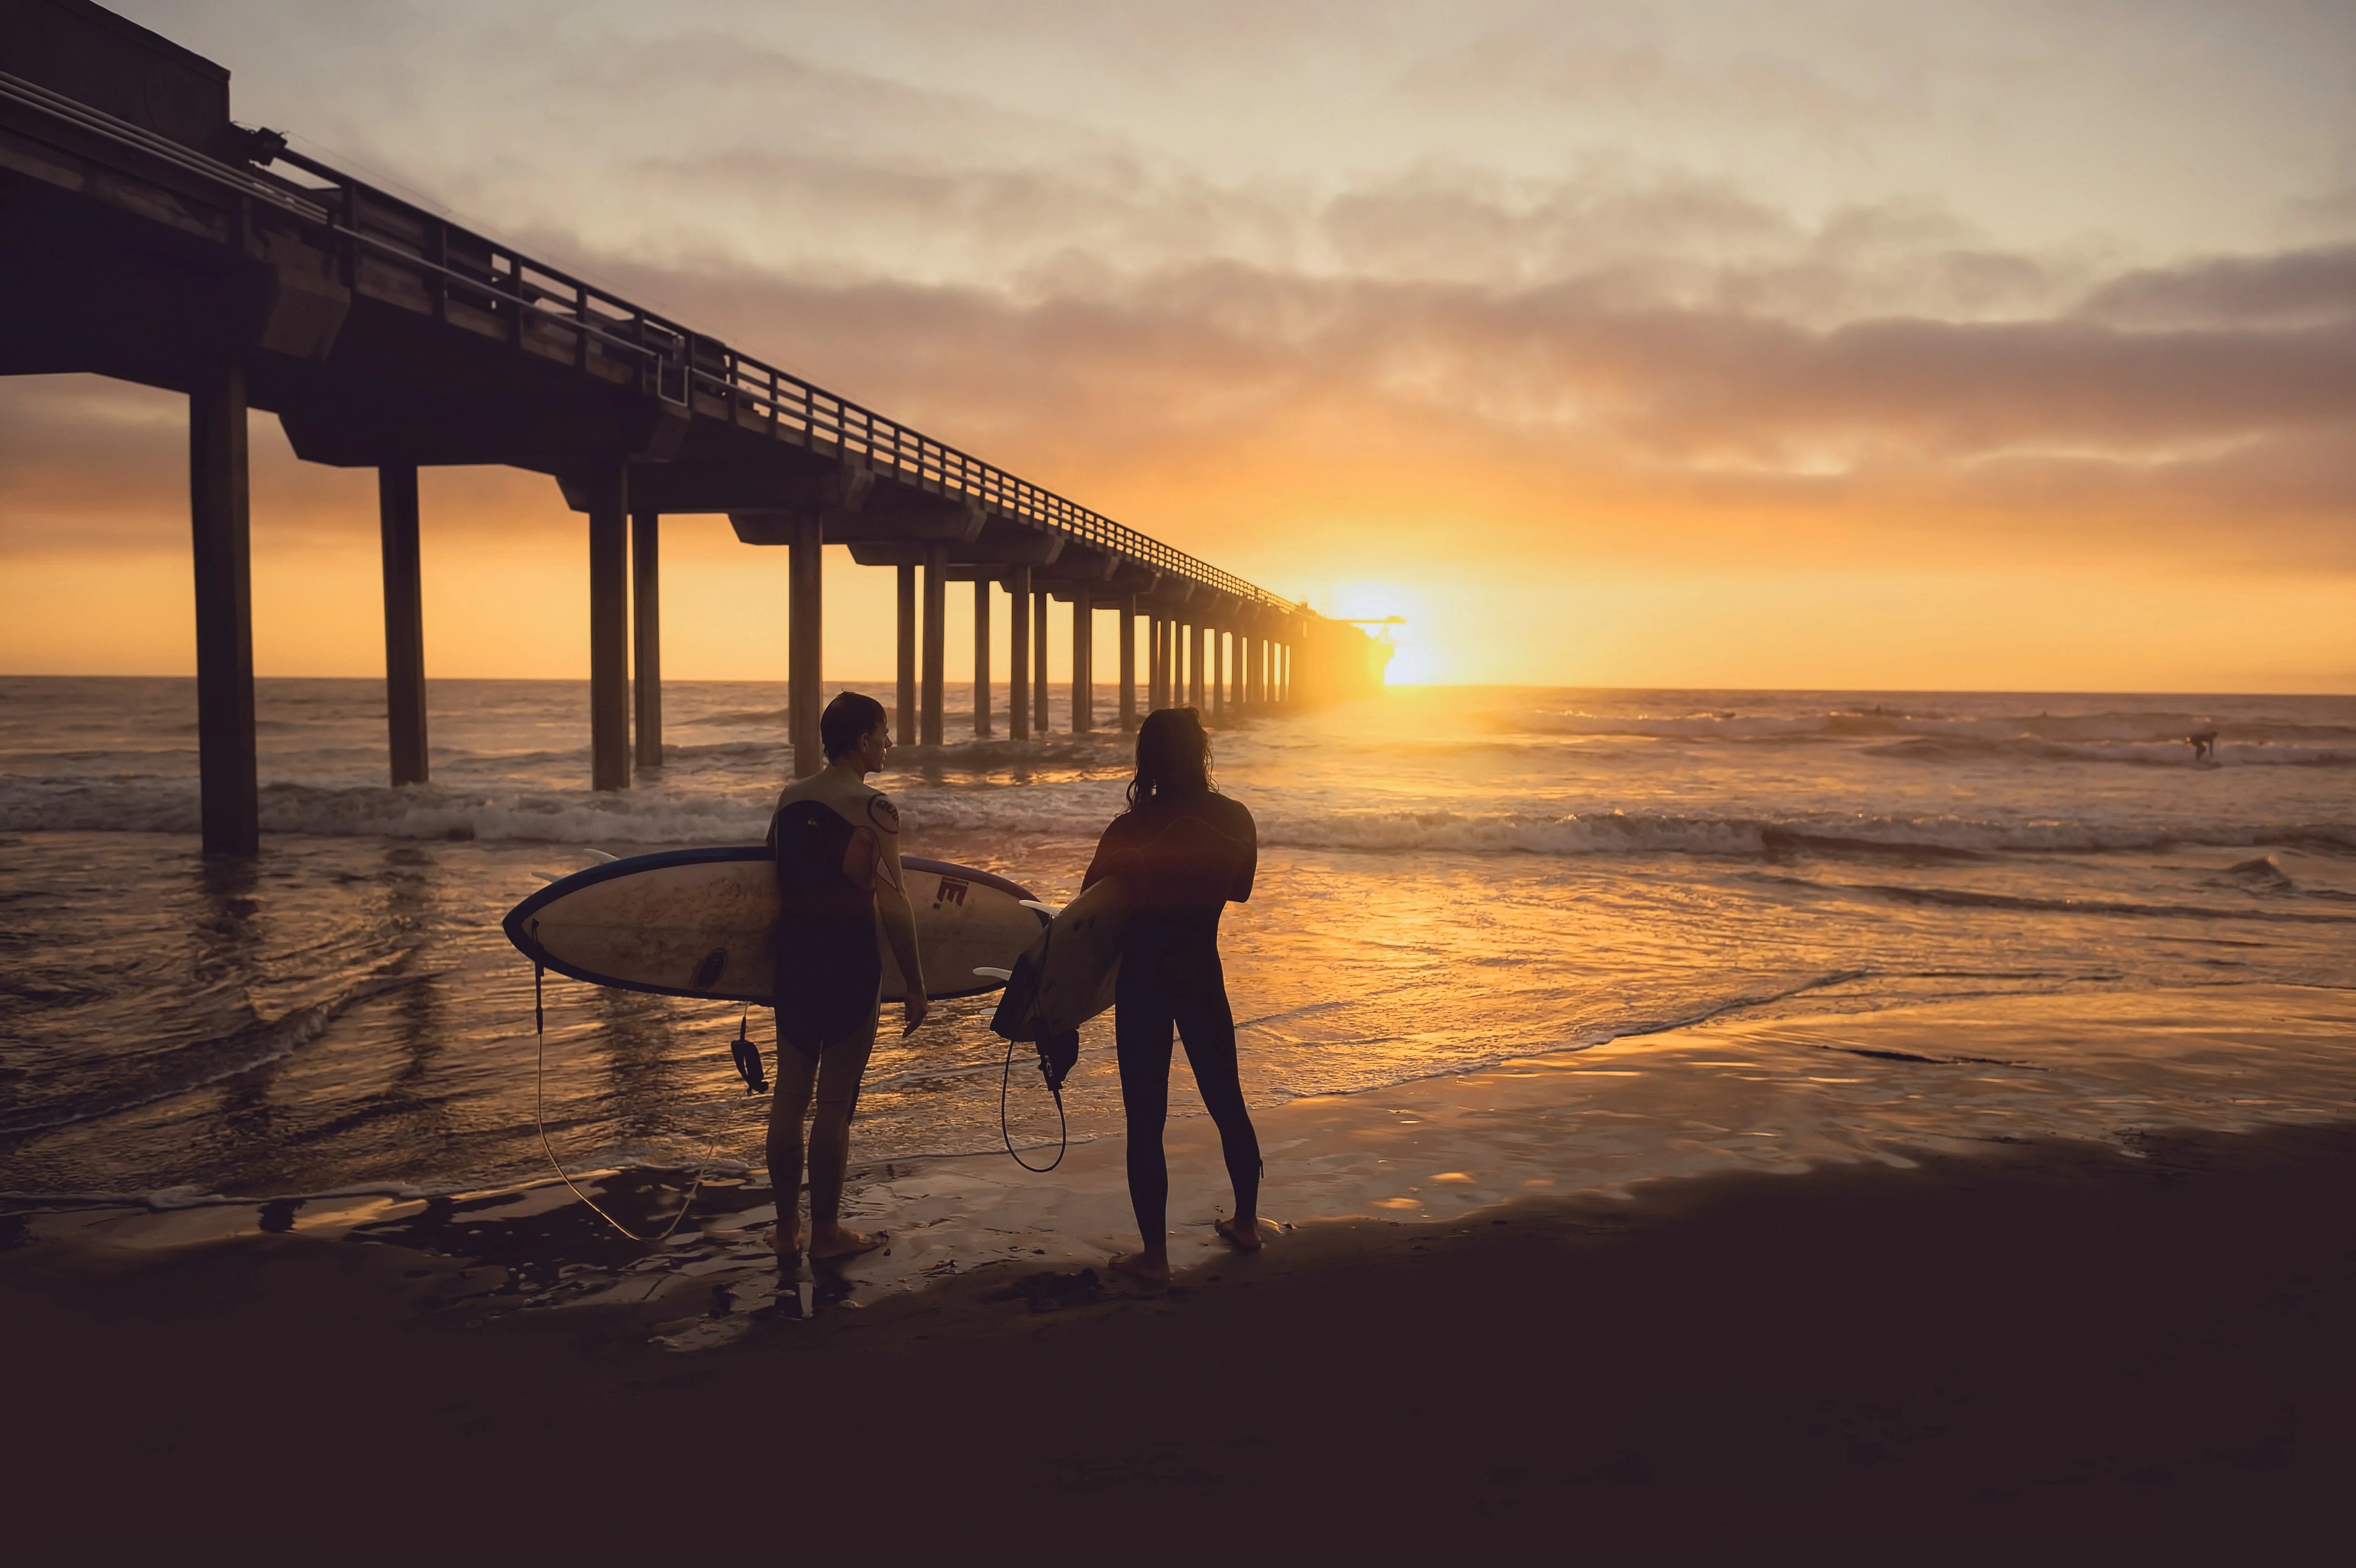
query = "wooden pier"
x=144 y=235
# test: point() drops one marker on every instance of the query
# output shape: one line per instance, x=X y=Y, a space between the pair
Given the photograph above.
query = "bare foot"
x=786 y=1242
x=1241 y=1233
x=838 y=1242
x=1153 y=1267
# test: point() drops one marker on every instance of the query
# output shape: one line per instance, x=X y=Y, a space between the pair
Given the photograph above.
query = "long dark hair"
x=1173 y=756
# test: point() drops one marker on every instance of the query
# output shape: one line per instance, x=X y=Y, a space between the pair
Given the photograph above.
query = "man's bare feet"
x=841 y=1241
x=1152 y=1267
x=1241 y=1233
x=786 y=1240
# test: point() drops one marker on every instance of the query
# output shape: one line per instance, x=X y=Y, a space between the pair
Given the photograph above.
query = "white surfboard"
x=702 y=922
x=1067 y=975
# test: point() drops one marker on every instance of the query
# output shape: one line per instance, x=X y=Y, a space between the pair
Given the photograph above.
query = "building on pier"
x=146 y=236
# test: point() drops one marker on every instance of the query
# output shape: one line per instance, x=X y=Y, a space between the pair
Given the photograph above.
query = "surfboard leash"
x=540 y=1123
x=1062 y=1127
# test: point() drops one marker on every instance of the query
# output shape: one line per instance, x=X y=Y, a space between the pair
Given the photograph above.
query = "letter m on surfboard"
x=950 y=891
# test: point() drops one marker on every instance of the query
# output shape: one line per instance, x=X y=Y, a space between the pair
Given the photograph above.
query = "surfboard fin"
x=1050 y=911
x=599 y=855
x=998 y=975
x=548 y=876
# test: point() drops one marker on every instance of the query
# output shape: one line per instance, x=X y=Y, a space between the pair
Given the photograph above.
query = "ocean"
x=1450 y=878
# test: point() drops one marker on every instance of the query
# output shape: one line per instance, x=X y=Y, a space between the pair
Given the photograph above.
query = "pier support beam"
x=1152 y=661
x=1128 y=665
x=981 y=657
x=609 y=628
x=1198 y=676
x=645 y=635
x=1018 y=654
x=936 y=576
x=805 y=637
x=404 y=621
x=903 y=722
x=1220 y=672
x=1084 y=639
x=219 y=535
x=1039 y=663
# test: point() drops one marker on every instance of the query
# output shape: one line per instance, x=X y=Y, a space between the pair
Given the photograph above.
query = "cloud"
x=1222 y=404
x=2299 y=288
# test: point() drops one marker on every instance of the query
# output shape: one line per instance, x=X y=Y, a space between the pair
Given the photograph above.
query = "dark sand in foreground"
x=2052 y=1351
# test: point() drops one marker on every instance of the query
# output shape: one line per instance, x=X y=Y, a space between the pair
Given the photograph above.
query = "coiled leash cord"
x=1063 y=1128
x=540 y=1121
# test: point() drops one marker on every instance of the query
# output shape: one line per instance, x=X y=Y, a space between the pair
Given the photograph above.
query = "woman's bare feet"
x=841 y=1241
x=1152 y=1266
x=786 y=1239
x=1242 y=1233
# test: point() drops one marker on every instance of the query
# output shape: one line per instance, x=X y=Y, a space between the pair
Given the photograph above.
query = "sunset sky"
x=1872 y=344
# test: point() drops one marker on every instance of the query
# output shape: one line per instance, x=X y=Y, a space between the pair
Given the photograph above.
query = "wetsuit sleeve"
x=882 y=827
x=1247 y=859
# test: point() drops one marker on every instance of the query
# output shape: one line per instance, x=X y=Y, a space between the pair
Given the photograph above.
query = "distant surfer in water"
x=1183 y=852
x=839 y=886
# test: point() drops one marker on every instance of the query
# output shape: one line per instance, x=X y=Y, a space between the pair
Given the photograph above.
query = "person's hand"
x=914 y=1009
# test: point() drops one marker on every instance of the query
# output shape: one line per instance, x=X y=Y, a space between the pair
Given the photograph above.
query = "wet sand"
x=2053 y=1347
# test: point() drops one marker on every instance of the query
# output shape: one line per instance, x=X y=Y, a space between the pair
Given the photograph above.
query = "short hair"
x=846 y=721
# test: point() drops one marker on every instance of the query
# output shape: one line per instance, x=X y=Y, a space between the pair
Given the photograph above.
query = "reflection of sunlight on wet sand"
x=1773 y=1097
x=1770 y=1097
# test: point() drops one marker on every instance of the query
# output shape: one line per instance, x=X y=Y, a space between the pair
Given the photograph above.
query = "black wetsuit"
x=828 y=969
x=1181 y=860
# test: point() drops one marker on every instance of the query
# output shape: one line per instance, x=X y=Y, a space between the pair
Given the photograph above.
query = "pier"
x=145 y=235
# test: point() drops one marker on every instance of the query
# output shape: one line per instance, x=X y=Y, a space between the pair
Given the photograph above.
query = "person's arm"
x=1109 y=854
x=1247 y=860
x=892 y=905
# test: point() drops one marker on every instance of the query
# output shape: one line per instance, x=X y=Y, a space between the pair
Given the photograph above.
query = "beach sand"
x=1566 y=1305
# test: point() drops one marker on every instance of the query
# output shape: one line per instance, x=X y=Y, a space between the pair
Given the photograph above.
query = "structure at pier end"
x=148 y=237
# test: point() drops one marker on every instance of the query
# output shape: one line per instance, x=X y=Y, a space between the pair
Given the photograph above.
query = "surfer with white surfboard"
x=1180 y=855
x=837 y=842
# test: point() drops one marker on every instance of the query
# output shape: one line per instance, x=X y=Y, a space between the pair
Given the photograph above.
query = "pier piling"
x=805 y=640
x=1084 y=627
x=609 y=629
x=904 y=721
x=646 y=638
x=1039 y=663
x=230 y=809
x=937 y=574
x=404 y=621
x=1018 y=654
x=981 y=657
x=1128 y=665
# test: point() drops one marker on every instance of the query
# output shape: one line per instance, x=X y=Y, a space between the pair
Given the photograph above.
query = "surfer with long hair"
x=840 y=898
x=1183 y=852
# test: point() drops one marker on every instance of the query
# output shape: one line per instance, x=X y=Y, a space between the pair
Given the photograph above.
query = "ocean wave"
x=1077 y=806
x=420 y=811
x=2170 y=754
x=1966 y=898
x=1650 y=833
x=147 y=1079
x=2160 y=728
